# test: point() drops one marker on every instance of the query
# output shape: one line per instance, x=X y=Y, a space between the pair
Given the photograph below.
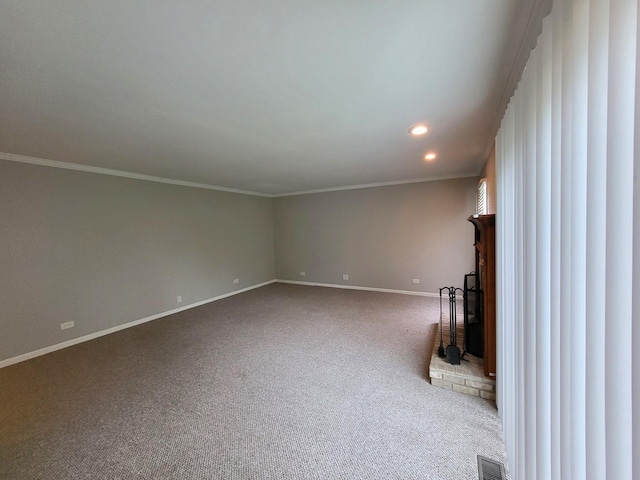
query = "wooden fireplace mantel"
x=485 y=250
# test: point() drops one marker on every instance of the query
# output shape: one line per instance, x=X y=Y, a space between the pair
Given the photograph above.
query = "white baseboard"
x=86 y=338
x=356 y=287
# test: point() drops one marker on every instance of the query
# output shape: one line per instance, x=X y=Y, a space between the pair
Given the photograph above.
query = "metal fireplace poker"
x=452 y=352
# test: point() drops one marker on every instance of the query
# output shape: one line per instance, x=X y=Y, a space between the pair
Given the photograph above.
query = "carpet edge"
x=85 y=338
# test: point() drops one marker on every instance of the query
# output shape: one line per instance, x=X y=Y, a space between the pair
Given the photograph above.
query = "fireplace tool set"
x=452 y=352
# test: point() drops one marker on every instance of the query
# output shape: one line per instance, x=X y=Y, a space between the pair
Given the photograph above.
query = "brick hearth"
x=467 y=378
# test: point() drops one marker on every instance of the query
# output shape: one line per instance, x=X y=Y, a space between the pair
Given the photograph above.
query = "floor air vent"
x=490 y=469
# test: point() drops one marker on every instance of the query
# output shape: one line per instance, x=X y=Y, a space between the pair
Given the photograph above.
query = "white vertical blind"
x=554 y=25
x=529 y=238
x=596 y=237
x=636 y=269
x=578 y=218
x=568 y=242
x=542 y=357
x=619 y=248
x=565 y=238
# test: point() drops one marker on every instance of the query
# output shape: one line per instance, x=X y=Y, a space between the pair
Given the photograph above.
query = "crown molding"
x=377 y=184
x=12 y=157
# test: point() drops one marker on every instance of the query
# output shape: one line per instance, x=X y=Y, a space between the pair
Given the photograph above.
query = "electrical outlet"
x=237 y=280
x=345 y=277
x=416 y=280
x=179 y=298
x=65 y=325
x=302 y=274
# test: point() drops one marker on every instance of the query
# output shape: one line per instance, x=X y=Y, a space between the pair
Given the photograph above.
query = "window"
x=481 y=197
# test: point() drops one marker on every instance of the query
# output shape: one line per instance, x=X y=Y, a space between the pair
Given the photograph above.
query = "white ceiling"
x=270 y=97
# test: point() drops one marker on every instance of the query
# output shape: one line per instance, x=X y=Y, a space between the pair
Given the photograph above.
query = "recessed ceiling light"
x=430 y=156
x=419 y=129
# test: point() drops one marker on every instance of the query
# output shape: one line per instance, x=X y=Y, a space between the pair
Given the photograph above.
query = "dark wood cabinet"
x=485 y=250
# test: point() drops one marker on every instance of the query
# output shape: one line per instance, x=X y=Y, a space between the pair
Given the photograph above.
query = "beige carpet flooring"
x=282 y=382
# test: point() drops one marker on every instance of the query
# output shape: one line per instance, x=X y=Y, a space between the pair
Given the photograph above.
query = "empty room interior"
x=320 y=240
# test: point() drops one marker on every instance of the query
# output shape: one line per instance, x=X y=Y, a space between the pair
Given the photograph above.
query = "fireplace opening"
x=473 y=316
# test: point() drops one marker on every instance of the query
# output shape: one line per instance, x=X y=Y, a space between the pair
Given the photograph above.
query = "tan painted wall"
x=381 y=237
x=102 y=251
